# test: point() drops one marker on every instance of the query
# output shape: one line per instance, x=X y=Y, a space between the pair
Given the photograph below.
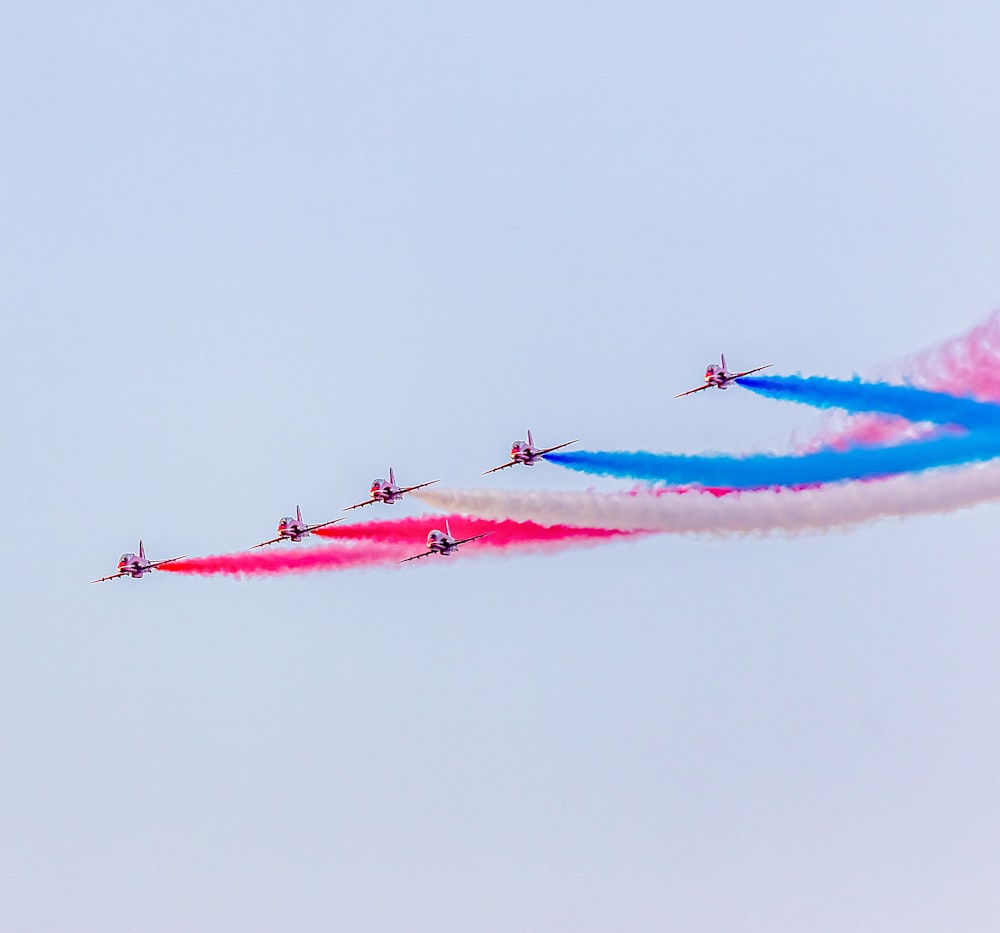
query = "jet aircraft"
x=527 y=453
x=720 y=377
x=294 y=529
x=442 y=542
x=135 y=565
x=387 y=491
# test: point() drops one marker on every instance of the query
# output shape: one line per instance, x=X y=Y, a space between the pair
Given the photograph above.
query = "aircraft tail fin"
x=392 y=477
x=723 y=355
x=447 y=528
x=298 y=514
x=142 y=551
x=531 y=443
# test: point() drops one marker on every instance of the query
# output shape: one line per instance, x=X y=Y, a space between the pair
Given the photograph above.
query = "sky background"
x=251 y=255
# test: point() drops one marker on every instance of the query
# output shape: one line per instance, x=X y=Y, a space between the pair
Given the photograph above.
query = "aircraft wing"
x=473 y=538
x=707 y=385
x=114 y=576
x=549 y=450
x=503 y=466
x=323 y=524
x=419 y=486
x=264 y=543
x=360 y=505
x=416 y=556
x=750 y=371
x=169 y=560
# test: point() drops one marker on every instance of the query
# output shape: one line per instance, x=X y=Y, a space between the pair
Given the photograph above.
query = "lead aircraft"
x=135 y=565
x=720 y=377
x=527 y=453
x=441 y=542
x=387 y=491
x=294 y=529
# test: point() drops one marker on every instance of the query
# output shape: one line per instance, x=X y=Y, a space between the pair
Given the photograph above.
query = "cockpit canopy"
x=126 y=558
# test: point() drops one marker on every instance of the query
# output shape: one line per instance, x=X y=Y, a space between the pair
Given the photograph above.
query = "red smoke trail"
x=283 y=559
x=718 y=491
x=370 y=544
x=965 y=365
x=505 y=535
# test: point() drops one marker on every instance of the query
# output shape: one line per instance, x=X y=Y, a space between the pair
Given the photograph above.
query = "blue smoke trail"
x=856 y=396
x=755 y=471
x=823 y=466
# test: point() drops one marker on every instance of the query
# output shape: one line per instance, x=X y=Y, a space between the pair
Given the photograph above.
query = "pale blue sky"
x=252 y=256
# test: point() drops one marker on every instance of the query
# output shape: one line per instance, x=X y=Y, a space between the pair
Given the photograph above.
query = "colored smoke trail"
x=966 y=365
x=380 y=543
x=507 y=535
x=856 y=396
x=286 y=559
x=758 y=512
x=824 y=465
x=871 y=431
x=760 y=471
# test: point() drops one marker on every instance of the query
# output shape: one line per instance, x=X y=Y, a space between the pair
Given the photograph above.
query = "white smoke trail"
x=738 y=513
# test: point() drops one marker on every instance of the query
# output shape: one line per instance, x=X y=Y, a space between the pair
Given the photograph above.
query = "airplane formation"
x=388 y=491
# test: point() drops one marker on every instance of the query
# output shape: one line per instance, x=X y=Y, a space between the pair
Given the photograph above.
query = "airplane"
x=294 y=529
x=442 y=542
x=720 y=377
x=527 y=453
x=135 y=565
x=386 y=490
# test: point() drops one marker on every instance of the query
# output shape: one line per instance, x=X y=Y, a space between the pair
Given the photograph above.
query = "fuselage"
x=292 y=529
x=382 y=490
x=523 y=452
x=133 y=565
x=440 y=543
x=716 y=375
